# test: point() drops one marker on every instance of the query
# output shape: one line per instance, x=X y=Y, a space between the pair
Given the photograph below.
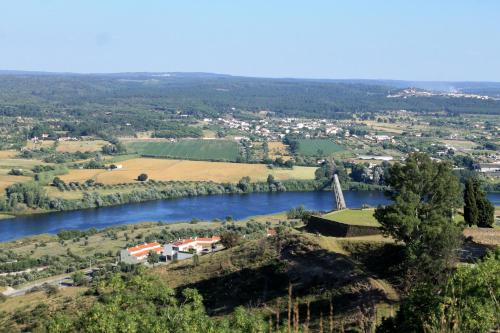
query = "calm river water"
x=185 y=209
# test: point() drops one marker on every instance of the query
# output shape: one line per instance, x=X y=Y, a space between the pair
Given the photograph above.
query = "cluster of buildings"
x=277 y=128
x=414 y=92
x=178 y=250
x=46 y=136
x=379 y=138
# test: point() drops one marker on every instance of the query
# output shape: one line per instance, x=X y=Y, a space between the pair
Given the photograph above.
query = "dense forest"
x=145 y=100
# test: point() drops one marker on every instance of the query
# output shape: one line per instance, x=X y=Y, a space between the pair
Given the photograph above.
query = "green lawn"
x=318 y=147
x=354 y=217
x=220 y=150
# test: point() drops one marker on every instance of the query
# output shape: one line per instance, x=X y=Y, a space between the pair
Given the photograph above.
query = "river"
x=238 y=206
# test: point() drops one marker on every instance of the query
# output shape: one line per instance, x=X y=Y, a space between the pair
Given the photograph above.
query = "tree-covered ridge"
x=91 y=96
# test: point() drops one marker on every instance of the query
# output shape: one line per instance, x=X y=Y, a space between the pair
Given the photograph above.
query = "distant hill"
x=143 y=99
x=444 y=86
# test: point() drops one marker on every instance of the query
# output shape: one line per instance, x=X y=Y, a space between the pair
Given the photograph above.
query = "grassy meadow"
x=311 y=147
x=223 y=150
x=82 y=146
x=8 y=163
x=354 y=217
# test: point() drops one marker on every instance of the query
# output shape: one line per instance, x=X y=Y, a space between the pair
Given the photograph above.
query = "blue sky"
x=413 y=40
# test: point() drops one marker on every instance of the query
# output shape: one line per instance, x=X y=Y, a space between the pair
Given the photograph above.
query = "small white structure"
x=374 y=157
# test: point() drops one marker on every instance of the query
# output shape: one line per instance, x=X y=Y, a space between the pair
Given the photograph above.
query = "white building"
x=184 y=248
x=139 y=253
x=374 y=157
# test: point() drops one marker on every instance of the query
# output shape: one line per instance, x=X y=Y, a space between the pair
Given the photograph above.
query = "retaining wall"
x=338 y=229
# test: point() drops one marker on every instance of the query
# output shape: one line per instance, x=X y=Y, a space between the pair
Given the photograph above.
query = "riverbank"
x=95 y=197
x=209 y=207
x=44 y=256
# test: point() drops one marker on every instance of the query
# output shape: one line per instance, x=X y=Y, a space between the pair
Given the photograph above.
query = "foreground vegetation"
x=66 y=141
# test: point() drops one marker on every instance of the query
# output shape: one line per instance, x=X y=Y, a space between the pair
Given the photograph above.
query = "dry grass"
x=6 y=180
x=39 y=144
x=161 y=169
x=7 y=153
x=460 y=144
x=30 y=300
x=278 y=149
x=53 y=192
x=6 y=164
x=486 y=236
x=9 y=163
x=386 y=127
x=83 y=146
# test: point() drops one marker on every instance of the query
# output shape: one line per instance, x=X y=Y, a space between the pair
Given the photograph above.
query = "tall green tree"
x=486 y=216
x=425 y=195
x=478 y=210
x=153 y=258
x=471 y=213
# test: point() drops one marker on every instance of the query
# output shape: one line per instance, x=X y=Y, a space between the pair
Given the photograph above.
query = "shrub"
x=142 y=177
x=16 y=172
x=230 y=239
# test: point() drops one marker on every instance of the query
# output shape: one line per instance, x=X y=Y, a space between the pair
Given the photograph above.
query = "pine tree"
x=425 y=195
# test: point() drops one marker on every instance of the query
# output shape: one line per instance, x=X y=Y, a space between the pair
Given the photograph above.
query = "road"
x=56 y=280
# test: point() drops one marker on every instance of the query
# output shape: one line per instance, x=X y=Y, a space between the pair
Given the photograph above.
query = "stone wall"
x=338 y=229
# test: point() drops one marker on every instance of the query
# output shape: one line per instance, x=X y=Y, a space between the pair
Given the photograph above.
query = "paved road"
x=57 y=280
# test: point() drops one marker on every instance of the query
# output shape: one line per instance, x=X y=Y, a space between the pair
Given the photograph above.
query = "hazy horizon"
x=42 y=72
x=368 y=40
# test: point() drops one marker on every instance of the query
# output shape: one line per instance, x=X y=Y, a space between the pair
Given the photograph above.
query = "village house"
x=139 y=253
x=185 y=248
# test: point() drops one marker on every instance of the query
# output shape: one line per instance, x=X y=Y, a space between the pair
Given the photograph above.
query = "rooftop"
x=143 y=247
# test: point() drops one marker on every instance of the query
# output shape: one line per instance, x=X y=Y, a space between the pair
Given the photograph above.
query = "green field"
x=220 y=150
x=320 y=147
x=354 y=217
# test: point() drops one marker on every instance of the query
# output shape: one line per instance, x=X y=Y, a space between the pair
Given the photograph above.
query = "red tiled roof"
x=146 y=252
x=148 y=246
x=184 y=242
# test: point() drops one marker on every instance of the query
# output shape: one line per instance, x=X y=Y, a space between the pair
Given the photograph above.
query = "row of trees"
x=33 y=195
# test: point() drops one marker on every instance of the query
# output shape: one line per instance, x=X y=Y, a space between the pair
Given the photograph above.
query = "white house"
x=183 y=248
x=139 y=253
